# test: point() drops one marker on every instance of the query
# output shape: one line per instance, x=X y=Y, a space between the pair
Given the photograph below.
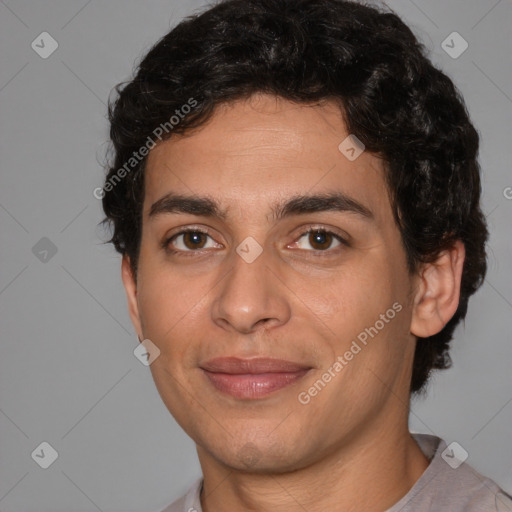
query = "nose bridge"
x=249 y=294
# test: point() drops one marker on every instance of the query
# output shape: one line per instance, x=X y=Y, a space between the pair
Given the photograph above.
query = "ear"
x=130 y=287
x=438 y=292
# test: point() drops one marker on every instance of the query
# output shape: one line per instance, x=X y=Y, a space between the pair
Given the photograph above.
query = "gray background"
x=68 y=375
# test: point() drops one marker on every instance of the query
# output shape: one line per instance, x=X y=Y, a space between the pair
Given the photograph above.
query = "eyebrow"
x=177 y=203
x=296 y=205
x=335 y=201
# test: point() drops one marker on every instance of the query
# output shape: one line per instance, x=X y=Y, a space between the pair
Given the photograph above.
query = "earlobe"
x=130 y=287
x=438 y=292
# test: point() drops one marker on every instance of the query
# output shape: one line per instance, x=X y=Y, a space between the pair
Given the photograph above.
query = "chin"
x=262 y=456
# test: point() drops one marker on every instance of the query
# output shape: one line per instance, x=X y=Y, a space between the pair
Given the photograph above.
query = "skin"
x=297 y=301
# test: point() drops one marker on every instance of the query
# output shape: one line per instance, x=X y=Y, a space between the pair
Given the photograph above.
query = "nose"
x=251 y=297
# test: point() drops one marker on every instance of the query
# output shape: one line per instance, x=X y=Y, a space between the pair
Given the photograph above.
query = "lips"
x=252 y=378
x=237 y=366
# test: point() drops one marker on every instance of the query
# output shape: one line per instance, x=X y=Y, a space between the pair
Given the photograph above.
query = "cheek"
x=168 y=305
x=352 y=299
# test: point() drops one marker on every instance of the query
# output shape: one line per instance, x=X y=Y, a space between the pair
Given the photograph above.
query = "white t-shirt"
x=446 y=485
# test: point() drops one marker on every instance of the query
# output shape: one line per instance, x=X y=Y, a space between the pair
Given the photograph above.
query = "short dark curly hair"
x=391 y=97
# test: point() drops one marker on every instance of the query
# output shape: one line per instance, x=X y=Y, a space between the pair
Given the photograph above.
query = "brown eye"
x=320 y=240
x=194 y=239
x=190 y=240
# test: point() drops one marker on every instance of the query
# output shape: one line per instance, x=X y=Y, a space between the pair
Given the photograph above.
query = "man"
x=295 y=193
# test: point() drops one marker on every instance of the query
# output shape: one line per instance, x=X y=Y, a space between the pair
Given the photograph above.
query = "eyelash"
x=311 y=229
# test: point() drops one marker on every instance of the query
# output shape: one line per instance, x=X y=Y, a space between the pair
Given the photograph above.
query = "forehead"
x=254 y=152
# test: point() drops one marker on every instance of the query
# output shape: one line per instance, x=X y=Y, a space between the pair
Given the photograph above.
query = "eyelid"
x=187 y=229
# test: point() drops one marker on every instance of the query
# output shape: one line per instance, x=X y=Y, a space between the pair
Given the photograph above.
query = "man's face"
x=306 y=298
